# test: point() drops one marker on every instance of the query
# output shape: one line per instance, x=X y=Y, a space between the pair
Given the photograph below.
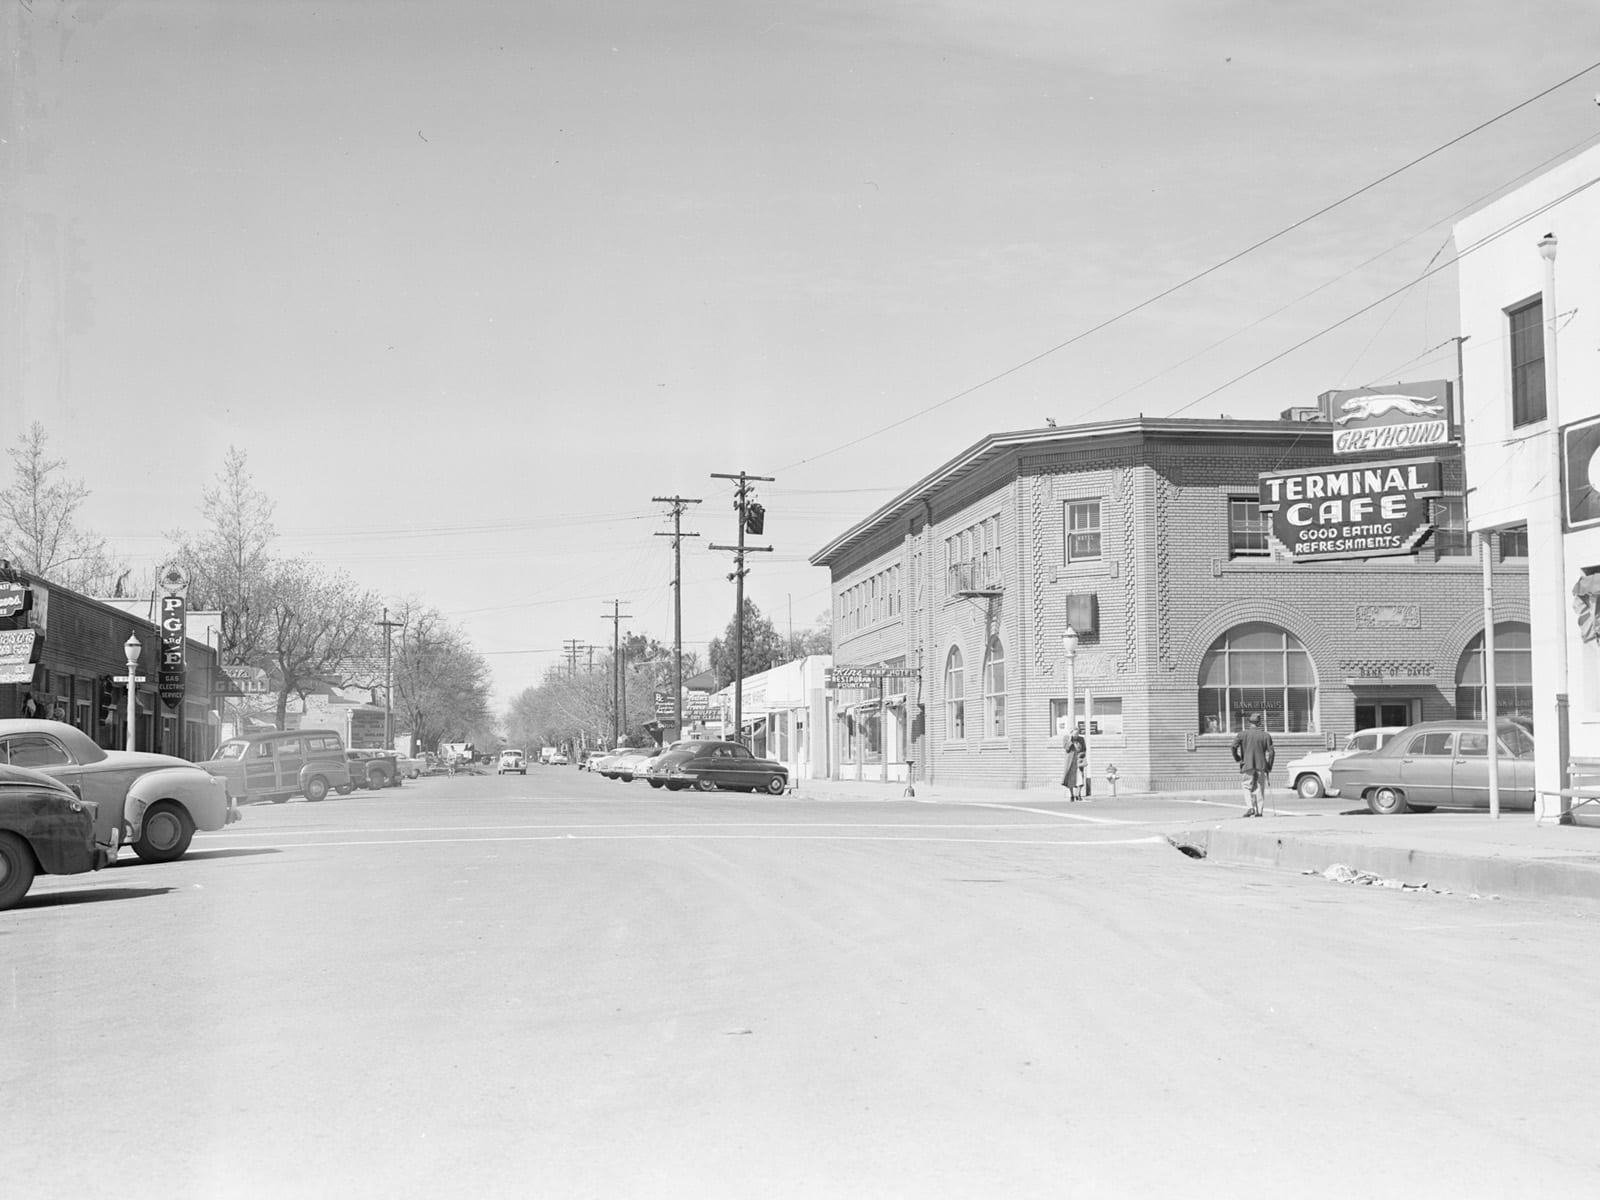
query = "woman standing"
x=1072 y=780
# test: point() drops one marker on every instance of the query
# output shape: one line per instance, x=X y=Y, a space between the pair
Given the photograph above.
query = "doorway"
x=1399 y=713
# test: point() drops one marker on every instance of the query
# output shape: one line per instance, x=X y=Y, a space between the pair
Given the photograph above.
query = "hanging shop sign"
x=19 y=649
x=170 y=677
x=1406 y=416
x=12 y=598
x=1371 y=510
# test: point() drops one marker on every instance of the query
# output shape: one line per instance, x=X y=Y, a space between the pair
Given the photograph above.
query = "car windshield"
x=1517 y=740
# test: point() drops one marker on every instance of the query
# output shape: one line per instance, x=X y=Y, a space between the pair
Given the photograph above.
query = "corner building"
x=1147 y=537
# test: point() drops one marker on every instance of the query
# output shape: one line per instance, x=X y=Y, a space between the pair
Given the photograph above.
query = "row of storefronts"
x=63 y=656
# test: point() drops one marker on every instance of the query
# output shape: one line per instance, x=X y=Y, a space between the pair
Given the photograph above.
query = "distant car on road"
x=1440 y=763
x=155 y=801
x=714 y=765
x=1312 y=775
x=45 y=830
x=511 y=760
x=558 y=759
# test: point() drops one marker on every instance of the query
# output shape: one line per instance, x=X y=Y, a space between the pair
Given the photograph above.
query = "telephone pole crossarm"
x=679 y=504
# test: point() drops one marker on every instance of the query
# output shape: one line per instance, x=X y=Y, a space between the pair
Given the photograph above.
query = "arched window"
x=1513 y=674
x=994 y=690
x=1257 y=668
x=955 y=697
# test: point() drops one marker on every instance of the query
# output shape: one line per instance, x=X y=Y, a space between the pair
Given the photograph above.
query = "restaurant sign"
x=1371 y=510
x=18 y=650
x=835 y=678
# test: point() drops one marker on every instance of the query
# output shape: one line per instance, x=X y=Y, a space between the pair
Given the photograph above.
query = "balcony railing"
x=974 y=579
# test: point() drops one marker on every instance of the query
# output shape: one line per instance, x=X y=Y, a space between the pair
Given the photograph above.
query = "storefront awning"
x=1381 y=681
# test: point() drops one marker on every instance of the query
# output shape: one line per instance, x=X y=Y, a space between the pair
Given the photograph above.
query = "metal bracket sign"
x=1368 y=510
x=170 y=679
x=18 y=648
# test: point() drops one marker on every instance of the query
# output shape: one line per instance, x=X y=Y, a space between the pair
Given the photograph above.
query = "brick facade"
x=1166 y=588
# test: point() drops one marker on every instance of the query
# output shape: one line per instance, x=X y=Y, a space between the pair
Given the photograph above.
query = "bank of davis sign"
x=1369 y=510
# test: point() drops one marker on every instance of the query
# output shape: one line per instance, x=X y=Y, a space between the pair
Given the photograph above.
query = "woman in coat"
x=1072 y=780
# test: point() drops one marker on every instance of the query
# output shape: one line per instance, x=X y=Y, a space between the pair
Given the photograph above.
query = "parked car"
x=280 y=763
x=374 y=768
x=629 y=763
x=1312 y=776
x=711 y=765
x=412 y=766
x=46 y=829
x=512 y=760
x=1440 y=763
x=603 y=763
x=155 y=802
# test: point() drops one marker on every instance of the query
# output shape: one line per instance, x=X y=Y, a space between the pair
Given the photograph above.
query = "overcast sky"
x=471 y=281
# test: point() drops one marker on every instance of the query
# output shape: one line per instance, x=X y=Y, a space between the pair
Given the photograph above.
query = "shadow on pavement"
x=89 y=896
x=201 y=855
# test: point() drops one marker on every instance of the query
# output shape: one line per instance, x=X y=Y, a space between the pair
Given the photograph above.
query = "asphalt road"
x=562 y=986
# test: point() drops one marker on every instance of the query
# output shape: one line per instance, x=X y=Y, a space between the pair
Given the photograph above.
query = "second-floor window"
x=1527 y=363
x=1247 y=528
x=1514 y=543
x=1450 y=536
x=1083 y=530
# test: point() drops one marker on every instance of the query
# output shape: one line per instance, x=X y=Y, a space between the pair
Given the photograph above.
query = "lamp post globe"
x=131 y=649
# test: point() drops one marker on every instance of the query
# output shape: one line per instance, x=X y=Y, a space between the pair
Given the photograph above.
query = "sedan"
x=155 y=801
x=714 y=765
x=1441 y=763
x=1312 y=775
x=45 y=830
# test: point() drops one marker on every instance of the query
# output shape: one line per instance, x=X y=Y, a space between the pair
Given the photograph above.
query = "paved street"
x=560 y=985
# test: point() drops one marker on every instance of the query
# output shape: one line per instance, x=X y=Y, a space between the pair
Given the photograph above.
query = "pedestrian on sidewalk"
x=1072 y=780
x=1254 y=752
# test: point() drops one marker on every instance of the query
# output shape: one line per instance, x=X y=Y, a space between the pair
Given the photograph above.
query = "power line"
x=1195 y=278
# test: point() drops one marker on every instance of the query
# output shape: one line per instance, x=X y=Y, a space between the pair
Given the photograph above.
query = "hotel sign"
x=1372 y=510
x=1407 y=416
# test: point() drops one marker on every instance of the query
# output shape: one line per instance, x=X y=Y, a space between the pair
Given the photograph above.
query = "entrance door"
x=1395 y=713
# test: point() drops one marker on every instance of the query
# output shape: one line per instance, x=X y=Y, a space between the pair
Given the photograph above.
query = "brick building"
x=1148 y=537
x=77 y=649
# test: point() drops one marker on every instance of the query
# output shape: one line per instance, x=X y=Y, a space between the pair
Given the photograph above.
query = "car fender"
x=338 y=774
x=203 y=795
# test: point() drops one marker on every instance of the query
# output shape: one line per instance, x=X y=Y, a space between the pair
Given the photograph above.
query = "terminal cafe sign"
x=1371 y=510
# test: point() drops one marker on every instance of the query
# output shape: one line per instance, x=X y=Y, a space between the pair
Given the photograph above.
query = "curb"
x=1456 y=871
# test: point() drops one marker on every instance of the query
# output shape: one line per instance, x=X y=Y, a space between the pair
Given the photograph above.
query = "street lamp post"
x=131 y=649
x=1069 y=647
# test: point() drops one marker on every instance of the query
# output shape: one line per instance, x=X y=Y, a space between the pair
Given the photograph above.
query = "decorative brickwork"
x=1164 y=497
x=1127 y=480
x=1043 y=494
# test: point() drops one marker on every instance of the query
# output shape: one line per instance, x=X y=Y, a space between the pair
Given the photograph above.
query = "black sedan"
x=45 y=829
x=713 y=765
x=1440 y=763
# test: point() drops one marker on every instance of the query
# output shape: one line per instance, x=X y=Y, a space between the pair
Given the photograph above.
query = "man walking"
x=1253 y=751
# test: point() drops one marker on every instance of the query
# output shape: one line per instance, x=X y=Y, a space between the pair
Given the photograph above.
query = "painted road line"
x=733 y=837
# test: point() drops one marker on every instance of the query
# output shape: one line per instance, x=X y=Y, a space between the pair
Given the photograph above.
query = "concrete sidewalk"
x=1464 y=852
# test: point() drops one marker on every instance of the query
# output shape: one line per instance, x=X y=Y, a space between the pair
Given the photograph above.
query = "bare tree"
x=228 y=564
x=441 y=685
x=39 y=530
x=317 y=624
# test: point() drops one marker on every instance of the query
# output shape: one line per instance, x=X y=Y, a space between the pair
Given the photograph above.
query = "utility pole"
x=570 y=647
x=752 y=517
x=677 y=535
x=388 y=628
x=616 y=617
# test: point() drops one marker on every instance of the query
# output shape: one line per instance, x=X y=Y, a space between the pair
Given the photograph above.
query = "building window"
x=955 y=697
x=994 y=690
x=1247 y=528
x=1514 y=543
x=1257 y=668
x=1527 y=363
x=1083 y=530
x=1513 y=675
x=1450 y=537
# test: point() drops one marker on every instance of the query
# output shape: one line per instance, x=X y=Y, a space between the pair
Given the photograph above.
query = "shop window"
x=994 y=690
x=955 y=697
x=1513 y=675
x=1527 y=362
x=1247 y=528
x=1257 y=668
x=1083 y=531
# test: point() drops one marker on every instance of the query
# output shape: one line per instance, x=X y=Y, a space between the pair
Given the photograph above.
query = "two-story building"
x=1530 y=326
x=1146 y=537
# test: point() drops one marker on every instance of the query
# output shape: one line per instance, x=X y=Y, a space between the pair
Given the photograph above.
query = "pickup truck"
x=374 y=768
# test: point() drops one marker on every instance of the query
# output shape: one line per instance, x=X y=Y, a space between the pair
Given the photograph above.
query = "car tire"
x=16 y=869
x=705 y=785
x=1386 y=801
x=346 y=789
x=380 y=779
x=675 y=787
x=655 y=783
x=279 y=799
x=1309 y=786
x=316 y=789
x=166 y=833
x=777 y=785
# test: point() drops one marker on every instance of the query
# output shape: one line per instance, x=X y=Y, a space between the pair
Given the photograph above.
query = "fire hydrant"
x=1111 y=778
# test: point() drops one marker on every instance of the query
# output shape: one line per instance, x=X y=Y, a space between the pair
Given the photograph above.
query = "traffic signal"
x=755 y=518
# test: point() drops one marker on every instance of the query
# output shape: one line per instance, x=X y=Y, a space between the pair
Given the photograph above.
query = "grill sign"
x=170 y=677
x=1373 y=510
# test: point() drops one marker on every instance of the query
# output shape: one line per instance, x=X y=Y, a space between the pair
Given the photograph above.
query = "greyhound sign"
x=1406 y=416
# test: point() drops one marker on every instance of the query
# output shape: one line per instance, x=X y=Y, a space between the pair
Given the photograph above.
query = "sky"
x=471 y=282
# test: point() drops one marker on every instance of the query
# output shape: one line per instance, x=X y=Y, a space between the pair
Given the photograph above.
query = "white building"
x=1530 y=322
x=785 y=715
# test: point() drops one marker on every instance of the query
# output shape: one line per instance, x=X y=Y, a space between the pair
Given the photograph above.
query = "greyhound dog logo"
x=1361 y=408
